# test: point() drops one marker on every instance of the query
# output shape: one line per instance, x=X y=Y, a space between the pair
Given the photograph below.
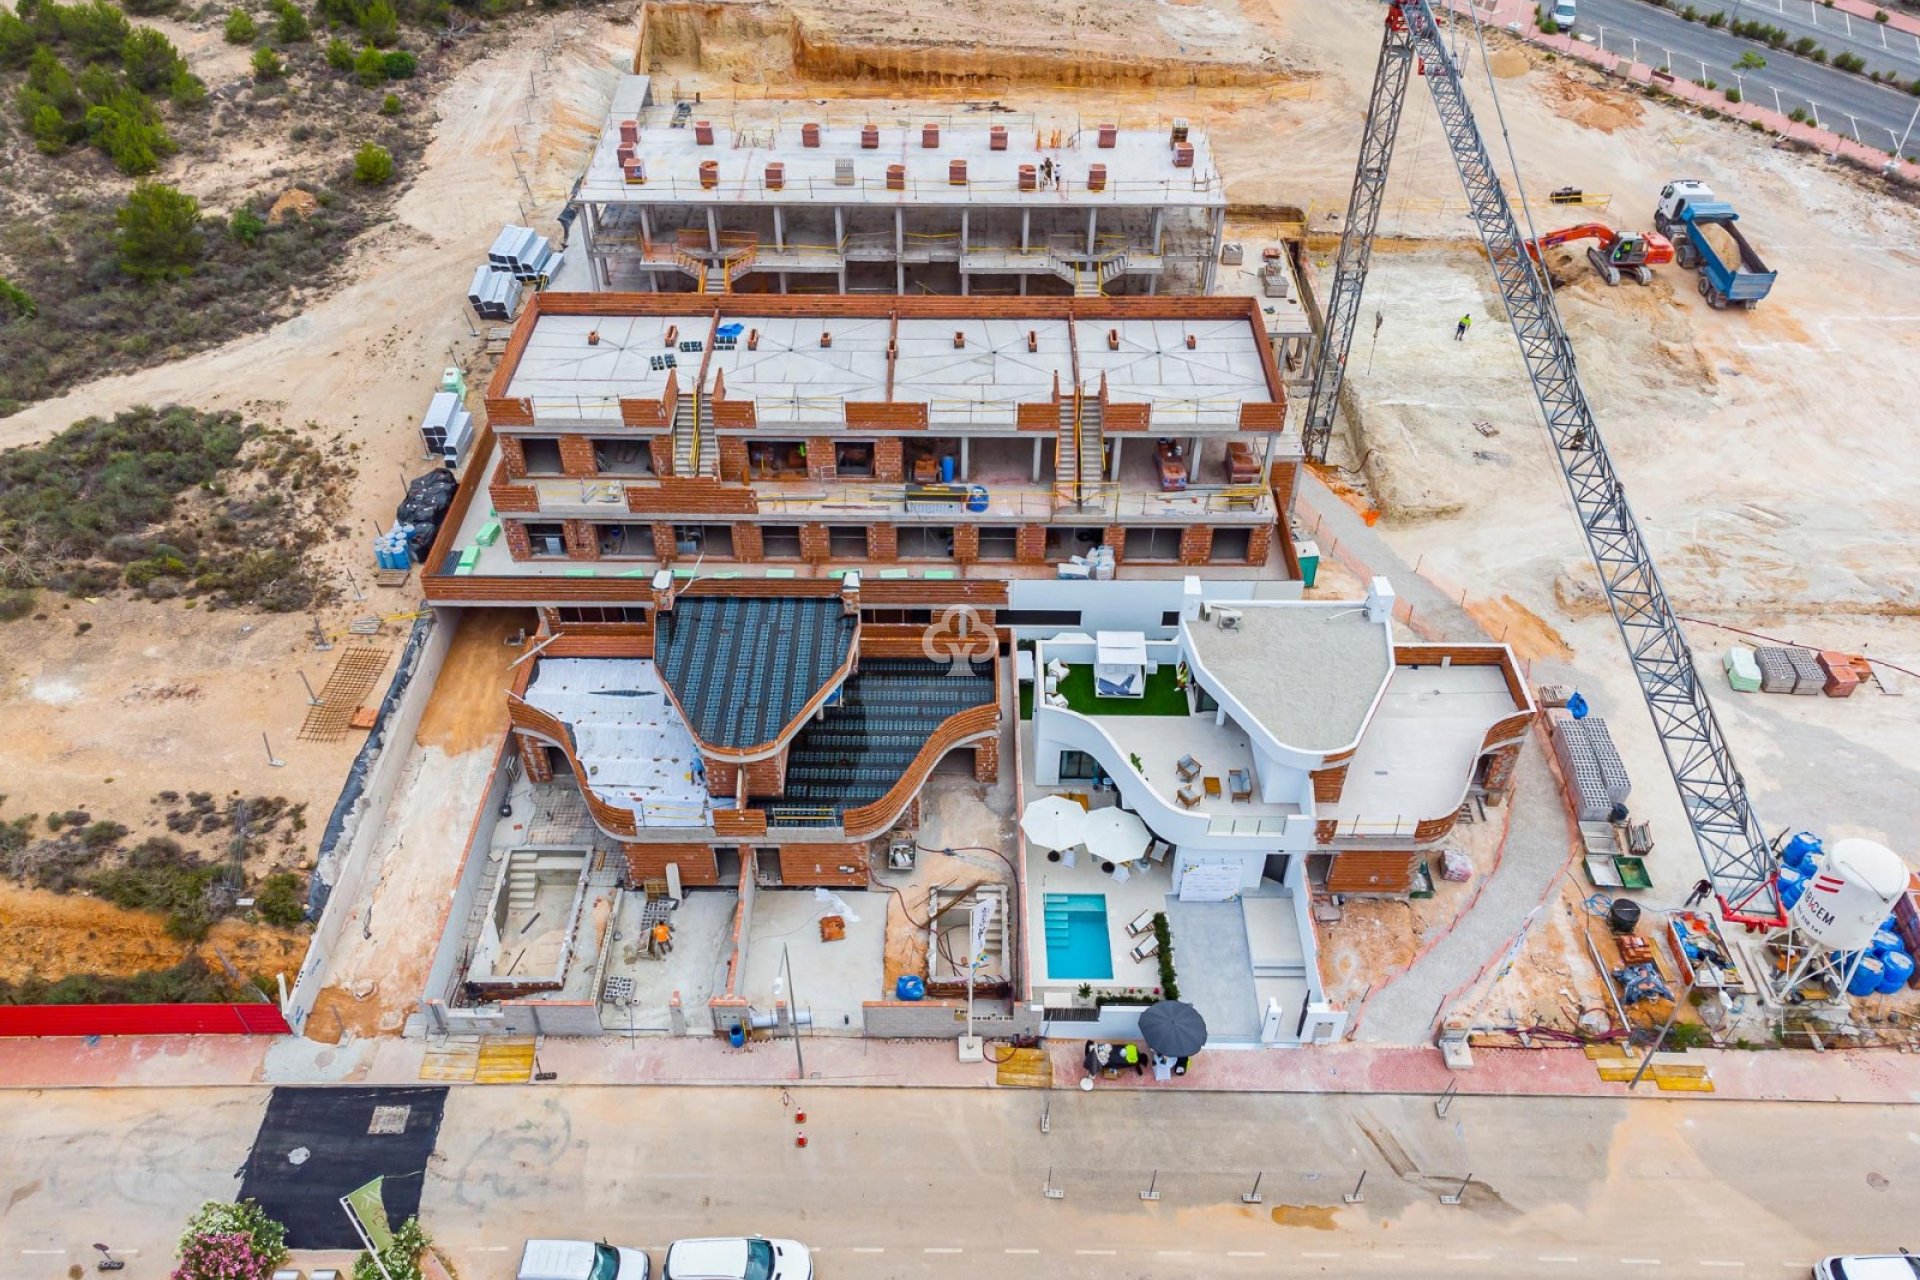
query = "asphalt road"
x=1886 y=48
x=1848 y=104
x=949 y=1183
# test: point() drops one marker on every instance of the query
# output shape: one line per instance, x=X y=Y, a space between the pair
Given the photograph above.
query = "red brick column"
x=883 y=542
x=1196 y=544
x=513 y=457
x=533 y=758
x=519 y=545
x=1499 y=775
x=820 y=464
x=1116 y=539
x=576 y=457
x=1030 y=544
x=582 y=542
x=1260 y=545
x=748 y=545
x=986 y=761
x=661 y=450
x=1285 y=476
x=733 y=459
x=663 y=542
x=966 y=543
x=813 y=541
x=889 y=461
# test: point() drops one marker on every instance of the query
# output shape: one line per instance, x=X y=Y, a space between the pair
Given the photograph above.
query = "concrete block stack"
x=1791 y=669
x=1595 y=775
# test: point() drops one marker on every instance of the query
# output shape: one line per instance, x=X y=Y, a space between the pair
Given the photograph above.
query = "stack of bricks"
x=986 y=761
x=1776 y=670
x=1593 y=787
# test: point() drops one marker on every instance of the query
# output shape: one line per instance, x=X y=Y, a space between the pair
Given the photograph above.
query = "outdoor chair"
x=1141 y=924
x=1240 y=784
x=1187 y=767
x=1187 y=796
x=1146 y=951
x=1121 y=875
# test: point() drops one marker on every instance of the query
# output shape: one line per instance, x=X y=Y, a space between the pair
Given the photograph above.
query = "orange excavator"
x=1617 y=253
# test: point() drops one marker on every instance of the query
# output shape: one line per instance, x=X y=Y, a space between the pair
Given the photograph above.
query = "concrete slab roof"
x=628 y=734
x=1417 y=757
x=1139 y=166
x=979 y=380
x=1309 y=673
x=744 y=669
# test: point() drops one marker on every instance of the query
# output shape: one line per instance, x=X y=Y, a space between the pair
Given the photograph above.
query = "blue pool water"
x=1076 y=925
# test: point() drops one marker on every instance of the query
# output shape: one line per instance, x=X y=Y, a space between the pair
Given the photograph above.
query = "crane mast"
x=1733 y=846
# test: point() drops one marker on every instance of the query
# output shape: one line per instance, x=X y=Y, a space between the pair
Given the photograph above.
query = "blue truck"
x=1706 y=238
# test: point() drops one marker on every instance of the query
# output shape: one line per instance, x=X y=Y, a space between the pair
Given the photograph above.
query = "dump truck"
x=1707 y=239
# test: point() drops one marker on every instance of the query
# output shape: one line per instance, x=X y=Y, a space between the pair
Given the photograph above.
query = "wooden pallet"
x=391 y=577
x=1024 y=1069
x=353 y=678
x=505 y=1062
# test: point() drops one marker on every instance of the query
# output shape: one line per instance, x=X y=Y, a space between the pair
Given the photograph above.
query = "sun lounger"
x=1147 y=950
x=1141 y=924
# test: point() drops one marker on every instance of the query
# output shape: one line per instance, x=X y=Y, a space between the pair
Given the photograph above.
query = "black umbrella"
x=1173 y=1029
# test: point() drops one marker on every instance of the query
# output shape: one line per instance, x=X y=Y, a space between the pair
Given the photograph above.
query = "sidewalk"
x=1877 y=1077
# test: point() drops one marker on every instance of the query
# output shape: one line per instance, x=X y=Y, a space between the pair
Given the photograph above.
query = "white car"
x=580 y=1260
x=1562 y=13
x=1874 y=1266
x=737 y=1258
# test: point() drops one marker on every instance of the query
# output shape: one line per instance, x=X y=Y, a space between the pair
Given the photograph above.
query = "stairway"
x=716 y=280
x=1066 y=456
x=1054 y=917
x=691 y=456
x=861 y=745
x=1093 y=448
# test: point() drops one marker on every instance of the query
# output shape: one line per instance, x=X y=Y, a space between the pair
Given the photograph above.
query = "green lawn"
x=1164 y=696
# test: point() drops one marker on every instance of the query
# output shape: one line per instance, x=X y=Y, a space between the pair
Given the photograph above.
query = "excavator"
x=1618 y=253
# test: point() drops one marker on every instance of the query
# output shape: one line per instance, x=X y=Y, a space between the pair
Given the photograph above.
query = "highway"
x=1886 y=48
x=1848 y=104
x=951 y=1183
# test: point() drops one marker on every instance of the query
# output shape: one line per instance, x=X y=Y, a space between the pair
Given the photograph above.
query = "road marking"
x=1468 y=1257
x=48 y=1253
x=1174 y=1253
x=867 y=1249
x=1556 y=1257
x=1019 y=1251
x=1639 y=1262
x=932 y=1250
x=1719 y=1262
x=1094 y=1253
x=1246 y=1253
x=1387 y=1257
x=1310 y=1254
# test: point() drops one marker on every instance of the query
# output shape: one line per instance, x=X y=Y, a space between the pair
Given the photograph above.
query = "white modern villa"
x=1274 y=750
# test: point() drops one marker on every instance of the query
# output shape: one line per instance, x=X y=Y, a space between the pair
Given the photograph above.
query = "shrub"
x=1820 y=55
x=17 y=40
x=1880 y=15
x=1804 y=45
x=400 y=1260
x=158 y=233
x=1548 y=27
x=1717 y=19
x=187 y=90
x=339 y=54
x=292 y=27
x=240 y=28
x=390 y=105
x=245 y=224
x=1169 y=988
x=128 y=129
x=231 y=1242
x=1733 y=95
x=1798 y=115
x=95 y=30
x=372 y=164
x=370 y=67
x=280 y=901
x=1849 y=62
x=15 y=603
x=267 y=64
x=16 y=300
x=400 y=64
x=150 y=60
x=380 y=23
x=1914 y=88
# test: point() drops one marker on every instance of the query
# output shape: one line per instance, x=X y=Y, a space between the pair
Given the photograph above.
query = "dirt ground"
x=52 y=934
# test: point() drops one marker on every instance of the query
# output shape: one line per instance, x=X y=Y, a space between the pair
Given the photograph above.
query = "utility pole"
x=793 y=1012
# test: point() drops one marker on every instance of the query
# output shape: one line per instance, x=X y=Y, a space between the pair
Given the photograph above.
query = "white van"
x=1561 y=11
x=580 y=1260
x=737 y=1258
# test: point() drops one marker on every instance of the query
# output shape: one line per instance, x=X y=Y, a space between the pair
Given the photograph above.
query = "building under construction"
x=867 y=198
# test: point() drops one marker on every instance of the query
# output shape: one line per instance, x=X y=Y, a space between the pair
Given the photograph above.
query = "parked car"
x=580 y=1260
x=737 y=1258
x=1562 y=13
x=1875 y=1266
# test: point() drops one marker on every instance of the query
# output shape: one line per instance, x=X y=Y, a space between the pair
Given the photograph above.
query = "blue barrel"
x=1886 y=941
x=1867 y=978
x=947 y=469
x=1896 y=970
x=736 y=1035
x=910 y=986
x=1792 y=885
x=1802 y=846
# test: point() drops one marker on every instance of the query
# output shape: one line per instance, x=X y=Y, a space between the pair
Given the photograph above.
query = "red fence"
x=142 y=1020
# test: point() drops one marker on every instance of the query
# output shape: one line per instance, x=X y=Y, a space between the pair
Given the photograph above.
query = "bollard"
x=1356 y=1196
x=1153 y=1183
x=1459 y=1195
x=1046 y=1116
x=800 y=1138
x=1445 y=1100
x=1253 y=1196
x=1049 y=1190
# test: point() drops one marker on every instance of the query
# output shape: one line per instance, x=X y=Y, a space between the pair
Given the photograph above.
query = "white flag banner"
x=977 y=934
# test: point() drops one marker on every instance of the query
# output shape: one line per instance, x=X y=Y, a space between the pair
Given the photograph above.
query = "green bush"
x=94 y=30
x=390 y=105
x=187 y=90
x=380 y=23
x=1849 y=62
x=266 y=1239
x=339 y=54
x=370 y=67
x=400 y=65
x=17 y=40
x=15 y=604
x=291 y=26
x=267 y=64
x=400 y=1260
x=128 y=129
x=159 y=875
x=1798 y=115
x=1169 y=988
x=245 y=224
x=189 y=982
x=279 y=900
x=240 y=27
x=1749 y=61
x=372 y=164
x=150 y=60
x=1733 y=95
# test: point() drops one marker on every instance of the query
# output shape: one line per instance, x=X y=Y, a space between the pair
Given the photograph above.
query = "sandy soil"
x=51 y=934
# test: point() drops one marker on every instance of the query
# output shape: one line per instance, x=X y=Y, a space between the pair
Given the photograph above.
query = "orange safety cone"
x=800 y=1138
x=800 y=1117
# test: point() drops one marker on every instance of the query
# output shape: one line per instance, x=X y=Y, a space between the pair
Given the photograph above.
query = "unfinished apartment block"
x=869 y=198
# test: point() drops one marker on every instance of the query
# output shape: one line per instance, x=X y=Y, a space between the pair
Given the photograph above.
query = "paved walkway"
x=1343 y=535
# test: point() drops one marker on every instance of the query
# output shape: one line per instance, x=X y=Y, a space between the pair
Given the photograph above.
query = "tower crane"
x=1739 y=861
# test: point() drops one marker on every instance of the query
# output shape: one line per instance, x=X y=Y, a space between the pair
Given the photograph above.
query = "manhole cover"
x=1878 y=1181
x=389 y=1120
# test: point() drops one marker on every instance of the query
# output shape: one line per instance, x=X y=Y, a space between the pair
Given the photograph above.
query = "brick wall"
x=1116 y=539
x=576 y=456
x=733 y=459
x=519 y=545
x=1260 y=545
x=1196 y=544
x=748 y=544
x=764 y=777
x=513 y=457
x=966 y=543
x=697 y=862
x=1329 y=782
x=810 y=864
x=813 y=543
x=582 y=542
x=986 y=761
x=1030 y=544
x=661 y=449
x=1499 y=776
x=883 y=542
x=820 y=464
x=680 y=495
x=1285 y=475
x=533 y=759
x=889 y=460
x=663 y=542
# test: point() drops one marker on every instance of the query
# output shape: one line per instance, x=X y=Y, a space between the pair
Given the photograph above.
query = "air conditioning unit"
x=1227 y=619
x=1206 y=610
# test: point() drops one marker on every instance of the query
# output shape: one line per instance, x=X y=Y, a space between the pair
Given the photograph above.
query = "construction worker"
x=1460 y=330
x=662 y=938
x=1130 y=1054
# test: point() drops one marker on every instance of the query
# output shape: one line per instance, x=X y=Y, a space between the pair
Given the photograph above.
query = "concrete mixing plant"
x=1839 y=904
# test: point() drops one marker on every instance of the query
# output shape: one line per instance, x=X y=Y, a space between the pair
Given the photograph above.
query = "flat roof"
x=1308 y=672
x=1140 y=168
x=1417 y=758
x=778 y=361
x=638 y=753
x=744 y=668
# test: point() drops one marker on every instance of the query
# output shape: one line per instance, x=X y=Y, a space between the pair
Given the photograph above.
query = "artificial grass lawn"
x=1164 y=696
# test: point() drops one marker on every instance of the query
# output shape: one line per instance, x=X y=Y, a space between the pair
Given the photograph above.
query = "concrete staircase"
x=716 y=280
x=692 y=455
x=1079 y=455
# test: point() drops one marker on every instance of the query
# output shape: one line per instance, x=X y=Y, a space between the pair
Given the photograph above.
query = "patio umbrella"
x=1053 y=822
x=1173 y=1029
x=1114 y=835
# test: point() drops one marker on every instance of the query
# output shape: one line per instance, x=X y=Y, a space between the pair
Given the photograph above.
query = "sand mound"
x=1509 y=63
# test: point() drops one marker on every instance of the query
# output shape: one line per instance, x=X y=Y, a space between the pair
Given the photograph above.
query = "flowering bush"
x=231 y=1242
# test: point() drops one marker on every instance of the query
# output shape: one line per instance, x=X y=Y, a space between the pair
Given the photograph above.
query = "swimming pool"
x=1077 y=946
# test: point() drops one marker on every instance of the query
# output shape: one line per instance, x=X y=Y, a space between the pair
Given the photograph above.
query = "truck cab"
x=1674 y=197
